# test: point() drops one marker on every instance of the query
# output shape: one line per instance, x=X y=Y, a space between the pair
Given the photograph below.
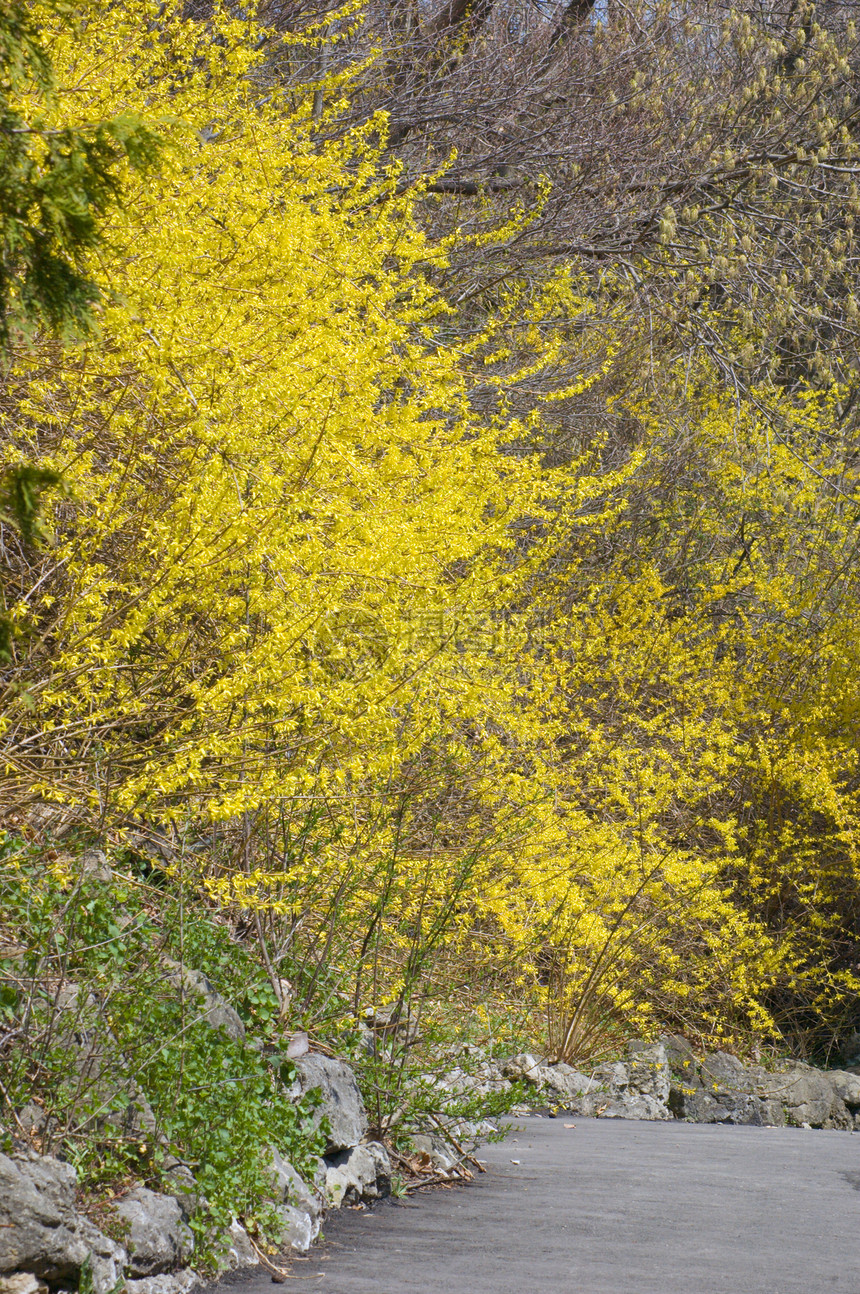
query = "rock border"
x=666 y=1080
x=46 y=1242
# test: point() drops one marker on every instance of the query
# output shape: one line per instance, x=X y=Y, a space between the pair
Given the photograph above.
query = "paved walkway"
x=612 y=1207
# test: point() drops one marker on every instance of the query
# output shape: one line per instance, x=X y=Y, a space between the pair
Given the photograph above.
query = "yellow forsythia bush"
x=300 y=592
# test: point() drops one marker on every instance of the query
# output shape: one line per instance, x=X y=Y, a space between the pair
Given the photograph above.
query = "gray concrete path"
x=612 y=1207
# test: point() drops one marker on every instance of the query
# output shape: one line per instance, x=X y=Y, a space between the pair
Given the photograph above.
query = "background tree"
x=58 y=183
x=57 y=187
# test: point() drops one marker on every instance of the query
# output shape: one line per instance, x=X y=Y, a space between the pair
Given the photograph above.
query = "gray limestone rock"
x=808 y=1096
x=686 y=1077
x=22 y=1283
x=847 y=1088
x=158 y=1238
x=721 y=1089
x=94 y=866
x=111 y=1098
x=108 y=1097
x=40 y=1230
x=290 y=1188
x=702 y=1106
x=635 y=1107
x=434 y=1152
x=523 y=1067
x=181 y=1282
x=180 y=1184
x=471 y=1133
x=566 y=1083
x=560 y=1083
x=363 y=1173
x=679 y=1052
x=611 y=1076
x=723 y=1072
x=34 y=1120
x=298 y=1229
x=236 y=1250
x=340 y=1099
x=633 y=1089
x=648 y=1070
x=215 y=1009
x=665 y=1079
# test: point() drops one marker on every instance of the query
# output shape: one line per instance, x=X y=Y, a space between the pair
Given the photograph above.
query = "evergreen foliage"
x=58 y=181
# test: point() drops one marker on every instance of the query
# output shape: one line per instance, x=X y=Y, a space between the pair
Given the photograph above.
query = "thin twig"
x=277 y=1273
x=429 y=1181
